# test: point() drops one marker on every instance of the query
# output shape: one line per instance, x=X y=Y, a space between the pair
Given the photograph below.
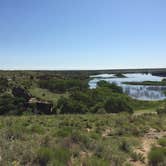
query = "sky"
x=82 y=34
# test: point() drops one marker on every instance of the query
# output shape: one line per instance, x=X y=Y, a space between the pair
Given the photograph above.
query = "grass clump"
x=137 y=157
x=95 y=161
x=162 y=141
x=157 y=156
x=46 y=156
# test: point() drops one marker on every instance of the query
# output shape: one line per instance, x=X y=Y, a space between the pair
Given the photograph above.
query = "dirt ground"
x=147 y=141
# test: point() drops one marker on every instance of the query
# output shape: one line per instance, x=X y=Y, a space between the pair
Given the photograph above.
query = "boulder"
x=21 y=92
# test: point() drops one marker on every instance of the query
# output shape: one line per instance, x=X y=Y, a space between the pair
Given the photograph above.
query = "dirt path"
x=147 y=141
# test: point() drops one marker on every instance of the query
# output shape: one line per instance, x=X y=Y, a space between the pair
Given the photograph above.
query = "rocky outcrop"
x=37 y=106
x=40 y=107
x=21 y=92
x=43 y=107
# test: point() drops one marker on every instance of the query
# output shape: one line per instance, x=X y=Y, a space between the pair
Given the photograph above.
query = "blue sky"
x=82 y=34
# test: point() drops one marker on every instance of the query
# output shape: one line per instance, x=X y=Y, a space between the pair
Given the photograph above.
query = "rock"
x=41 y=107
x=44 y=107
x=21 y=92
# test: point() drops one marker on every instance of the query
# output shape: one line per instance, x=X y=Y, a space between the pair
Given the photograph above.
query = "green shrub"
x=4 y=84
x=46 y=156
x=157 y=156
x=162 y=141
x=117 y=104
x=63 y=85
x=111 y=86
x=106 y=98
x=98 y=108
x=66 y=131
x=83 y=96
x=62 y=155
x=95 y=161
x=10 y=105
x=125 y=146
x=161 y=111
x=69 y=106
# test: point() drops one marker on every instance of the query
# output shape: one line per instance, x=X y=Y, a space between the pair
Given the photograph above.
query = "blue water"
x=140 y=92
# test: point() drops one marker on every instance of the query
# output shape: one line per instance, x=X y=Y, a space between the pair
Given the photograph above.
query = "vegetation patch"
x=54 y=118
x=120 y=75
x=75 y=139
x=148 y=83
x=157 y=156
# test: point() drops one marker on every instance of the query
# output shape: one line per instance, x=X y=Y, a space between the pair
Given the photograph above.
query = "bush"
x=58 y=85
x=157 y=156
x=100 y=100
x=11 y=105
x=46 y=156
x=62 y=155
x=162 y=142
x=69 y=106
x=98 y=108
x=117 y=104
x=85 y=97
x=161 y=111
x=95 y=161
x=125 y=146
x=4 y=84
x=6 y=104
x=111 y=86
x=65 y=132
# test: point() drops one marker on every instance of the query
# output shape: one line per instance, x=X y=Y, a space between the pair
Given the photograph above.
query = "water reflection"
x=139 y=92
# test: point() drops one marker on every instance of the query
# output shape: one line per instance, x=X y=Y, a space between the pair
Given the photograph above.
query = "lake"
x=140 y=92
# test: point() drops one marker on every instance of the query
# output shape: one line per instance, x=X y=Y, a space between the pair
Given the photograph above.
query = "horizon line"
x=74 y=69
